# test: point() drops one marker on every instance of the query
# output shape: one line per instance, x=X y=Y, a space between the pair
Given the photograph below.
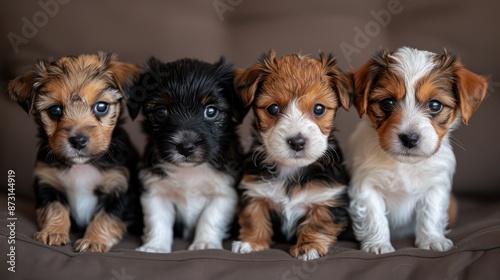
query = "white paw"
x=241 y=247
x=377 y=248
x=153 y=249
x=311 y=255
x=202 y=245
x=440 y=244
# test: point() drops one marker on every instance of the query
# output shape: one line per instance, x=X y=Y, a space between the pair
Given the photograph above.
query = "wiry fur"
x=93 y=186
x=398 y=189
x=195 y=189
x=296 y=192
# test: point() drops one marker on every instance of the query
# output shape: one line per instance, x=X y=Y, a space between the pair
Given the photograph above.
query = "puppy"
x=400 y=156
x=85 y=163
x=293 y=174
x=191 y=162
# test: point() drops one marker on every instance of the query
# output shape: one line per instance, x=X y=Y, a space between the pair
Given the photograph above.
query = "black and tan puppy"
x=85 y=163
x=191 y=161
x=293 y=178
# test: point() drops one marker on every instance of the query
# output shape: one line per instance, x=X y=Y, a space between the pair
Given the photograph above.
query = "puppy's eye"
x=55 y=111
x=435 y=106
x=211 y=112
x=160 y=113
x=273 y=109
x=387 y=105
x=101 y=108
x=319 y=110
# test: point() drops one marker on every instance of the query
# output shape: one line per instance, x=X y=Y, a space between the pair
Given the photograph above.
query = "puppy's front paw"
x=441 y=244
x=378 y=248
x=52 y=238
x=88 y=245
x=308 y=251
x=202 y=245
x=153 y=249
x=247 y=247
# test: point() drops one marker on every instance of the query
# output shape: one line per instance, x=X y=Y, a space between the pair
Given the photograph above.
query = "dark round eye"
x=55 y=111
x=160 y=113
x=273 y=109
x=211 y=112
x=435 y=106
x=319 y=110
x=387 y=105
x=101 y=108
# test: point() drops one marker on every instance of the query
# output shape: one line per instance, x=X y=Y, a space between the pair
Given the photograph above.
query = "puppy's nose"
x=297 y=143
x=79 y=141
x=409 y=140
x=186 y=149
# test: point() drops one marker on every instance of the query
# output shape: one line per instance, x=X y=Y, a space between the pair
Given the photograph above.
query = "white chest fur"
x=79 y=183
x=189 y=188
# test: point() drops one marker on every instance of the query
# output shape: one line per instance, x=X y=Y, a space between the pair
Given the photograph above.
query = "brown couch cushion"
x=475 y=256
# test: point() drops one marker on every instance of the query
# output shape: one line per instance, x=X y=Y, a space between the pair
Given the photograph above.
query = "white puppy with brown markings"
x=400 y=155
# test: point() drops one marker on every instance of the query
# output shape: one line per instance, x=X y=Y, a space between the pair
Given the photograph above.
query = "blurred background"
x=243 y=29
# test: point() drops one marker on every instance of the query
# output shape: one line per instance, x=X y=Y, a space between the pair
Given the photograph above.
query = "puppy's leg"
x=370 y=225
x=316 y=234
x=159 y=219
x=432 y=217
x=53 y=216
x=107 y=227
x=256 y=230
x=214 y=221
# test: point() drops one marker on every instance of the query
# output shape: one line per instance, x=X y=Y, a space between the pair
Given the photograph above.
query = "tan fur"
x=452 y=211
x=255 y=223
x=317 y=232
x=54 y=223
x=102 y=233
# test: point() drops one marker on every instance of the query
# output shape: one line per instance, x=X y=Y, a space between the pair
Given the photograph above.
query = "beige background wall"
x=175 y=29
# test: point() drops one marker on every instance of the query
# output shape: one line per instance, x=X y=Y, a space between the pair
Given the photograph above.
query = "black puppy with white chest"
x=191 y=163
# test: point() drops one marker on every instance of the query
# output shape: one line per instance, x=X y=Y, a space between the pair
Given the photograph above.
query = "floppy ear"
x=247 y=82
x=124 y=76
x=23 y=89
x=226 y=74
x=340 y=82
x=362 y=83
x=471 y=90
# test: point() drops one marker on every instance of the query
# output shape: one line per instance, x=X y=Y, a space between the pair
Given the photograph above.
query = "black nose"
x=186 y=149
x=409 y=140
x=297 y=143
x=79 y=141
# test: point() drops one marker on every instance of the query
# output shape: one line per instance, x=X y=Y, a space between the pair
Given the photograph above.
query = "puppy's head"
x=414 y=98
x=190 y=109
x=294 y=99
x=76 y=100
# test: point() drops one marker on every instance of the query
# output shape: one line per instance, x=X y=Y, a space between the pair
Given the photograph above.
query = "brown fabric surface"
x=476 y=255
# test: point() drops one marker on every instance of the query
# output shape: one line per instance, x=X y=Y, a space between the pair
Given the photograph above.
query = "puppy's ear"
x=23 y=89
x=339 y=81
x=124 y=76
x=363 y=79
x=247 y=82
x=362 y=83
x=226 y=74
x=471 y=90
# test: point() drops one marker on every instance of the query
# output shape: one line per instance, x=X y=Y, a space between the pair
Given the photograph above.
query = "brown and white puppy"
x=400 y=156
x=293 y=176
x=86 y=163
